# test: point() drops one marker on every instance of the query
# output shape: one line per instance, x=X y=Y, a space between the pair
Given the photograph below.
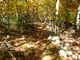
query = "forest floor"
x=38 y=46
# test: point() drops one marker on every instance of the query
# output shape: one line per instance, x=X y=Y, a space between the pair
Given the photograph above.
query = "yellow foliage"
x=1 y=0
x=31 y=1
x=39 y=7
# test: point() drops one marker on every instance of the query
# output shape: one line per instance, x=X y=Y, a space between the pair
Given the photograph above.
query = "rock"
x=69 y=53
x=62 y=53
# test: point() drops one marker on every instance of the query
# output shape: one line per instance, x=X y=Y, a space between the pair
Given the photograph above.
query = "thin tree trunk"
x=56 y=21
x=78 y=20
x=16 y=13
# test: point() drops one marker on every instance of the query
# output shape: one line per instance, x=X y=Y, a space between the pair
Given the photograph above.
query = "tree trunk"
x=78 y=20
x=56 y=21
